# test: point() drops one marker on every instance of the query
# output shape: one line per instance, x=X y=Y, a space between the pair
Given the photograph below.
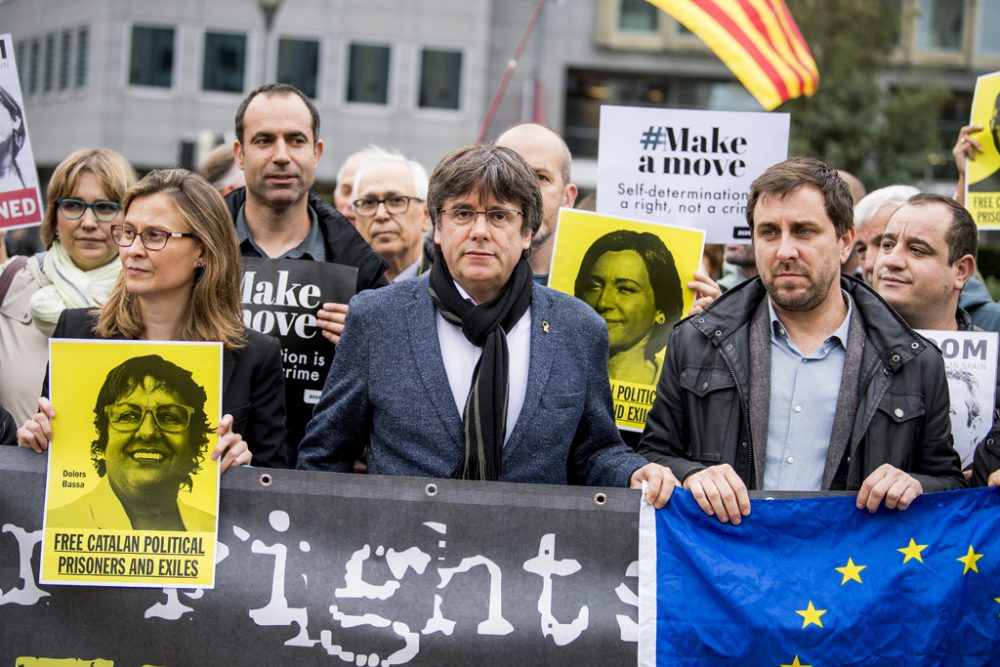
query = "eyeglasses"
x=104 y=209
x=499 y=218
x=169 y=418
x=152 y=239
x=395 y=204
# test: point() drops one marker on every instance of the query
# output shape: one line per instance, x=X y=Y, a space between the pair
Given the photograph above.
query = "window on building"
x=224 y=62
x=152 y=57
x=440 y=79
x=48 y=79
x=368 y=74
x=638 y=16
x=940 y=25
x=988 y=27
x=35 y=60
x=82 y=50
x=65 y=53
x=298 y=64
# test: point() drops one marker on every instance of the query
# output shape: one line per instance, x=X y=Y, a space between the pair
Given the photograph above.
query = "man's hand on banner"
x=706 y=291
x=330 y=319
x=36 y=433
x=893 y=485
x=994 y=479
x=660 y=483
x=233 y=450
x=720 y=492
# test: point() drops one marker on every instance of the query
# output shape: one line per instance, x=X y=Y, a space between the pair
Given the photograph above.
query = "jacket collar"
x=427 y=354
x=964 y=320
x=895 y=342
x=327 y=216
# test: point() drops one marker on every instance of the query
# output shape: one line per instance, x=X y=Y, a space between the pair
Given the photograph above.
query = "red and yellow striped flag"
x=757 y=39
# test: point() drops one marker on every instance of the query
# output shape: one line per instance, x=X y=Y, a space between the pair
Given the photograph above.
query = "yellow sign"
x=132 y=496
x=634 y=275
x=982 y=193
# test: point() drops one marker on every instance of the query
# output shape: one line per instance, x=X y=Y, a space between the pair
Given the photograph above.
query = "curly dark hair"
x=128 y=375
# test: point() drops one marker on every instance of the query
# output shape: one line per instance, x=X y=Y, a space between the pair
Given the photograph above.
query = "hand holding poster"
x=20 y=199
x=970 y=363
x=132 y=495
x=633 y=274
x=982 y=171
x=686 y=167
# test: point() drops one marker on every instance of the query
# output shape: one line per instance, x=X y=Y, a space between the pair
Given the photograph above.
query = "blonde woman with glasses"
x=78 y=270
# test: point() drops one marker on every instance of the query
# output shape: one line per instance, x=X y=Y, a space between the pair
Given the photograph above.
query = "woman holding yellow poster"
x=180 y=281
x=631 y=280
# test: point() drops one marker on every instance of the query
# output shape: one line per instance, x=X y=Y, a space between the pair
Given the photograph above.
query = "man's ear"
x=964 y=268
x=238 y=154
x=848 y=240
x=569 y=195
x=426 y=225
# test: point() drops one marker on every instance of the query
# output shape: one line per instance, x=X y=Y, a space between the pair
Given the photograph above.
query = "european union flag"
x=815 y=581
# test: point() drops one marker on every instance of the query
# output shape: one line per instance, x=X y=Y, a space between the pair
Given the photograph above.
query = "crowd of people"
x=799 y=370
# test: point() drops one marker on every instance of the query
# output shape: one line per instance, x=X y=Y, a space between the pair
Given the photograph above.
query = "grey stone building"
x=149 y=77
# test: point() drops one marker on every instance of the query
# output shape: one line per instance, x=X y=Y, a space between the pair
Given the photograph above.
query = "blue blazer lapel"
x=422 y=321
x=544 y=346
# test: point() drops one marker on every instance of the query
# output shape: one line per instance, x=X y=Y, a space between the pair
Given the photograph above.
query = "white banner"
x=970 y=361
x=20 y=199
x=686 y=167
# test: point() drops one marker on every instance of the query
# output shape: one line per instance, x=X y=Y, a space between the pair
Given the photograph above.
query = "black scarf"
x=484 y=325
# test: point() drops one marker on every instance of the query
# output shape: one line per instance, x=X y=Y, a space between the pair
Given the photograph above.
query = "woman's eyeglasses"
x=104 y=209
x=152 y=239
x=169 y=418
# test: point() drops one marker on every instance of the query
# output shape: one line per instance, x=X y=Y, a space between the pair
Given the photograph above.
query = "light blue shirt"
x=804 y=391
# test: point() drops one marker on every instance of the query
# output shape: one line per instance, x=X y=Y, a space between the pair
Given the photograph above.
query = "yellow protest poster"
x=132 y=495
x=982 y=188
x=633 y=273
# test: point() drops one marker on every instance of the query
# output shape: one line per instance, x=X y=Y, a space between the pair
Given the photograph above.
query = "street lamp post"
x=268 y=8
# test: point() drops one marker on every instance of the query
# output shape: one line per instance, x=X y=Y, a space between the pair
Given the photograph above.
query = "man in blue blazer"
x=473 y=371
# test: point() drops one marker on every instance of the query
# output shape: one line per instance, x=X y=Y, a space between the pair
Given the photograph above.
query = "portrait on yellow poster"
x=633 y=274
x=982 y=173
x=132 y=494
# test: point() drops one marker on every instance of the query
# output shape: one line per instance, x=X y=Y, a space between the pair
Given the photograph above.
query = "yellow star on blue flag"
x=795 y=663
x=912 y=551
x=969 y=560
x=811 y=615
x=850 y=571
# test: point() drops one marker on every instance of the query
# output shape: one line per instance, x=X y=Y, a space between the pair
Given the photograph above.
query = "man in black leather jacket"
x=718 y=417
x=927 y=256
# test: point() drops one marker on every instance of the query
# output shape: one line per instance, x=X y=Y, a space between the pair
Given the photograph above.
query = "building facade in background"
x=147 y=77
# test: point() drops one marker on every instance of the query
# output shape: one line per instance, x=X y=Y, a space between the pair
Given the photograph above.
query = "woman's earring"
x=660 y=318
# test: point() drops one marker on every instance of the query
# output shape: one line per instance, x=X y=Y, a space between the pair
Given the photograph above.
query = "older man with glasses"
x=391 y=214
x=474 y=371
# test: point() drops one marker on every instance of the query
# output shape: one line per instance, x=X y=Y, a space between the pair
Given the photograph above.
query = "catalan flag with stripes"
x=756 y=39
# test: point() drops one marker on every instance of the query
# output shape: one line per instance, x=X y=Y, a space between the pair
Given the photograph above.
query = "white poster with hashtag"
x=686 y=167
